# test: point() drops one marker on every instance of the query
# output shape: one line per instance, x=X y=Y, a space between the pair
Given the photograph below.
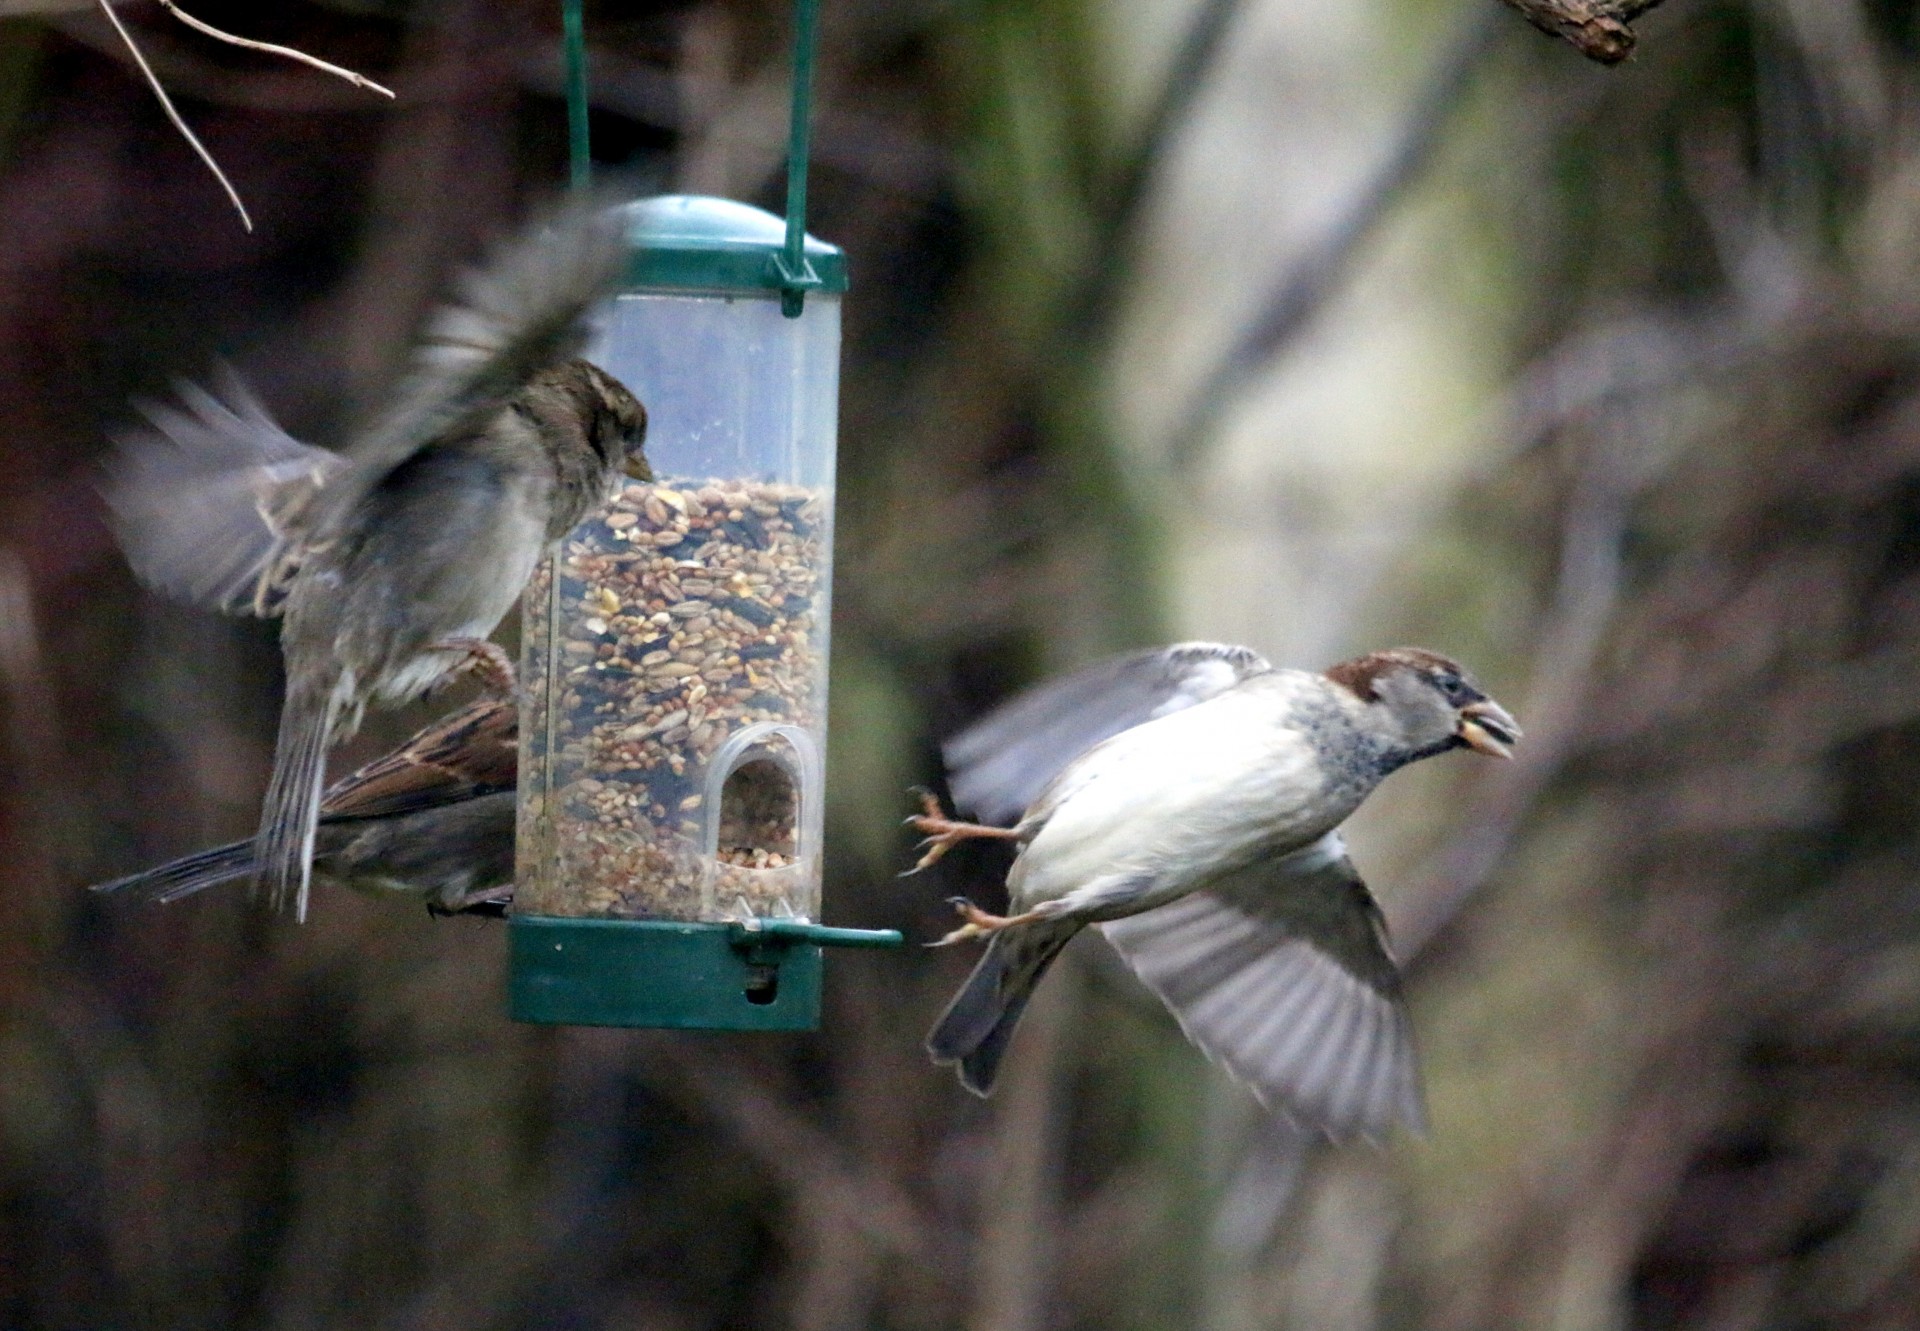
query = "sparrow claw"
x=944 y=833
x=979 y=923
x=938 y=846
x=486 y=661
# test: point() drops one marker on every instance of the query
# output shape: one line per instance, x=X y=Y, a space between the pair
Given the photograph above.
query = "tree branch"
x=1090 y=307
x=812 y=1166
x=1313 y=278
x=357 y=80
x=166 y=104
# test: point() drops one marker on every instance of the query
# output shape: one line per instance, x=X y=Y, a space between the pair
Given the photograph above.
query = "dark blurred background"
x=1313 y=324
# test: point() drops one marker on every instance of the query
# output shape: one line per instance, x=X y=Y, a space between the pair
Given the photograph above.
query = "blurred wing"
x=999 y=765
x=1280 y=973
x=525 y=311
x=207 y=502
x=472 y=752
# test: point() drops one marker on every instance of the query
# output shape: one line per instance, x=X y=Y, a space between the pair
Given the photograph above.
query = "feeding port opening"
x=759 y=816
x=763 y=852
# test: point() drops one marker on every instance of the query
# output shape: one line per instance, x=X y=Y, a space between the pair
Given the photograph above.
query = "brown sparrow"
x=391 y=563
x=1186 y=801
x=432 y=819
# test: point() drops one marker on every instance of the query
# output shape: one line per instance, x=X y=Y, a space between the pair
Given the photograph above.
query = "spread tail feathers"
x=977 y=1025
x=284 y=846
x=187 y=875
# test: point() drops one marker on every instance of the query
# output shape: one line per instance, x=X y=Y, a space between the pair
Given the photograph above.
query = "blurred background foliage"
x=1313 y=324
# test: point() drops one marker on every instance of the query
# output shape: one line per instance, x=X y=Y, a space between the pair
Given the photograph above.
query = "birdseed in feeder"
x=690 y=631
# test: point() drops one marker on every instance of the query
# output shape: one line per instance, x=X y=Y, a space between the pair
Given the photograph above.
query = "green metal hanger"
x=798 y=276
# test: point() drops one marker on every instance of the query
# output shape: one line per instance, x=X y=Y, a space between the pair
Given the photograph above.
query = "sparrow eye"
x=1455 y=689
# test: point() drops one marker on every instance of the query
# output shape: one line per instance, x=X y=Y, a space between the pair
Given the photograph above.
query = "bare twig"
x=1585 y=597
x=1089 y=308
x=357 y=80
x=1013 y=1273
x=1595 y=28
x=1613 y=383
x=441 y=173
x=1317 y=274
x=177 y=57
x=805 y=1159
x=166 y=104
x=841 y=1270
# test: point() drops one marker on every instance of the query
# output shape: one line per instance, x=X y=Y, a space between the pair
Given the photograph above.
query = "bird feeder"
x=673 y=731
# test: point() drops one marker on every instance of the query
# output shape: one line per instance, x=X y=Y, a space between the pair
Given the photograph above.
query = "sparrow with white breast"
x=433 y=820
x=390 y=563
x=1185 y=800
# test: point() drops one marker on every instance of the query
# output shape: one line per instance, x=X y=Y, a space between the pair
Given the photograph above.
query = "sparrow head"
x=616 y=422
x=1420 y=703
x=597 y=407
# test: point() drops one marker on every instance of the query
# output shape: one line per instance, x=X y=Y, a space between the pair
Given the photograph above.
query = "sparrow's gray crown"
x=1419 y=703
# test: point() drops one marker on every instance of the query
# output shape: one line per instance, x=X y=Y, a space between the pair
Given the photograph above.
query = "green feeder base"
x=763 y=976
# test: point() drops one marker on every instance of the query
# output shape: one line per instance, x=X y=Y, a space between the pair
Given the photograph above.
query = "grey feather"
x=1280 y=972
x=1184 y=800
x=978 y=1024
x=1268 y=1165
x=525 y=310
x=448 y=854
x=188 y=874
x=999 y=765
x=283 y=848
x=201 y=500
x=385 y=561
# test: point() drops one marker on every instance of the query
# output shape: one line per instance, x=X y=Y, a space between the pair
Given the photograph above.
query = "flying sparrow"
x=1185 y=800
x=432 y=819
x=389 y=564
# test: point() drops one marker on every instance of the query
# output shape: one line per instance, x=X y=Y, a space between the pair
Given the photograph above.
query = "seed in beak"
x=1486 y=728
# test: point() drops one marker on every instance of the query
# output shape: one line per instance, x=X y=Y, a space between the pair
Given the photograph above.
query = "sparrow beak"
x=636 y=466
x=1486 y=728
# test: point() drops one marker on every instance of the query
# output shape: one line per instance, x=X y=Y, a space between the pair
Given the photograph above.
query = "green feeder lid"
x=694 y=243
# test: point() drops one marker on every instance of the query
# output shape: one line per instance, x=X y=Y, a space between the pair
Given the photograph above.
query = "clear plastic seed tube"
x=675 y=661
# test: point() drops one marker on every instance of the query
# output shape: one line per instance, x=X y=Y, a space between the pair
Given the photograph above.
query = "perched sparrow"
x=432 y=819
x=1198 y=832
x=391 y=563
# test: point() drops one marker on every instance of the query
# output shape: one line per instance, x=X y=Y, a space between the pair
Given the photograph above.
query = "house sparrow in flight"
x=432 y=819
x=1185 y=800
x=390 y=563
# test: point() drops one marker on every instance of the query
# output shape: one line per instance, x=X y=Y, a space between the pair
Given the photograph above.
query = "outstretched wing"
x=525 y=311
x=207 y=502
x=468 y=753
x=1280 y=973
x=1000 y=764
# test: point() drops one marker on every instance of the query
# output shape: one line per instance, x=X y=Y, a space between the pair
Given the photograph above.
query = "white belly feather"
x=1161 y=809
